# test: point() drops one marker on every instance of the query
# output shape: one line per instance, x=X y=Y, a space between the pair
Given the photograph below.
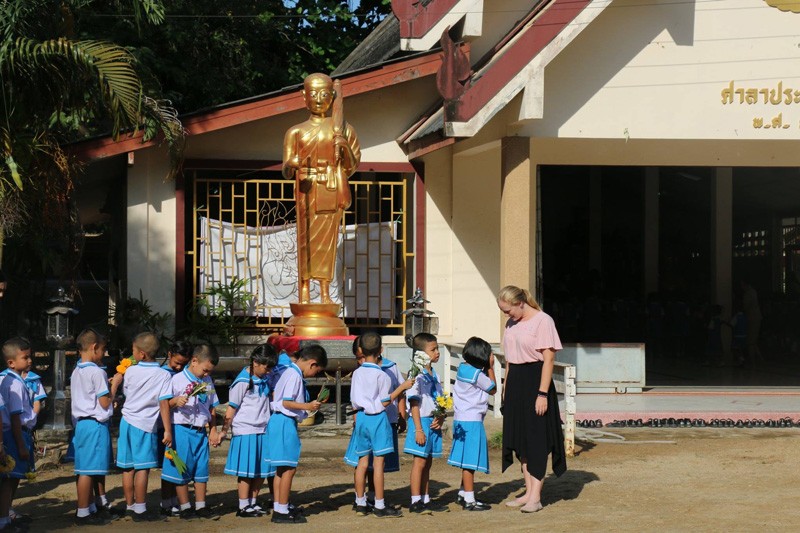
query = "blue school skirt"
x=283 y=442
x=391 y=461
x=247 y=457
x=191 y=445
x=92 y=442
x=136 y=449
x=371 y=436
x=470 y=450
x=433 y=439
x=10 y=444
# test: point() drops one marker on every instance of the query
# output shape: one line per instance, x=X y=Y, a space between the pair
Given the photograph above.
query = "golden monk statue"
x=320 y=155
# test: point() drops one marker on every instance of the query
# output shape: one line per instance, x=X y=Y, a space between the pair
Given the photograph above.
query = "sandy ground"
x=655 y=480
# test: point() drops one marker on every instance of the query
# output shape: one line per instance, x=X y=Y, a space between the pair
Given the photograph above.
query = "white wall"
x=650 y=70
x=151 y=230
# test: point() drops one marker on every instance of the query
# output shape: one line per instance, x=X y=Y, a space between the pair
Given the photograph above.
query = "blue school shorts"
x=371 y=436
x=470 y=450
x=92 y=442
x=283 y=442
x=247 y=457
x=10 y=444
x=191 y=445
x=136 y=449
x=433 y=439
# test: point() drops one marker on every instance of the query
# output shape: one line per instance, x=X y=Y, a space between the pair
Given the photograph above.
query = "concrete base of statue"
x=317 y=320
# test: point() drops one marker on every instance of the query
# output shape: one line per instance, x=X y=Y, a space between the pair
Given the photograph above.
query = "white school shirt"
x=391 y=370
x=18 y=400
x=196 y=412
x=88 y=383
x=144 y=385
x=369 y=388
x=471 y=394
x=252 y=406
x=292 y=387
x=425 y=388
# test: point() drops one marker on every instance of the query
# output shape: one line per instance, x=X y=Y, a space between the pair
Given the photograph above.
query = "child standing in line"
x=372 y=435
x=289 y=406
x=91 y=410
x=147 y=390
x=247 y=415
x=475 y=380
x=178 y=356
x=18 y=426
x=424 y=437
x=189 y=424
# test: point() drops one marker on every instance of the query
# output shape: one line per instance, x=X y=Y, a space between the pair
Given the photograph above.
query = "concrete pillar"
x=518 y=214
x=595 y=219
x=651 y=229
x=722 y=239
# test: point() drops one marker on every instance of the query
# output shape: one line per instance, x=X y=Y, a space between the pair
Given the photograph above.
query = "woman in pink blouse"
x=531 y=420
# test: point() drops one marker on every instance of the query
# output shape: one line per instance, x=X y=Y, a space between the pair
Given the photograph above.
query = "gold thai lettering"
x=758 y=122
x=776 y=95
x=727 y=94
x=752 y=96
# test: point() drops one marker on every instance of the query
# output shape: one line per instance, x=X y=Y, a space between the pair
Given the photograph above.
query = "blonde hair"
x=513 y=295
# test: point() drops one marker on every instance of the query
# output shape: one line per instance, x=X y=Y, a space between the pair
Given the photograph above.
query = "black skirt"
x=526 y=434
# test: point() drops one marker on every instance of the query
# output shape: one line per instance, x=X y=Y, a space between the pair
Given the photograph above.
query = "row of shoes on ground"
x=589 y=423
x=699 y=423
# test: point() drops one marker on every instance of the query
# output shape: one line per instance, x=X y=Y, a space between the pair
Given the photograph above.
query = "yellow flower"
x=30 y=476
x=121 y=369
x=126 y=362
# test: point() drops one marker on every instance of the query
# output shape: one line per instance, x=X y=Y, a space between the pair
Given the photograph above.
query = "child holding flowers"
x=289 y=406
x=424 y=437
x=189 y=424
x=147 y=393
x=247 y=415
x=475 y=380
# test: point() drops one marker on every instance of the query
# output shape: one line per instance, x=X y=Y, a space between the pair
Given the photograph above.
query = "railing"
x=563 y=377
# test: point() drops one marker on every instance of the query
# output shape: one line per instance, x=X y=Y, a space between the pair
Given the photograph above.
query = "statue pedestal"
x=316 y=320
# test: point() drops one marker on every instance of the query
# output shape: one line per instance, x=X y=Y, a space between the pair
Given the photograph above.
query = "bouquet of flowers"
x=7 y=463
x=324 y=394
x=197 y=388
x=173 y=456
x=443 y=405
x=419 y=360
x=125 y=364
x=30 y=475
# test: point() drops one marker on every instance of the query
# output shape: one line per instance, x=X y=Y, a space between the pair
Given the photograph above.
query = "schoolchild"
x=475 y=380
x=289 y=406
x=424 y=437
x=247 y=415
x=18 y=424
x=91 y=401
x=189 y=423
x=147 y=390
x=178 y=356
x=370 y=393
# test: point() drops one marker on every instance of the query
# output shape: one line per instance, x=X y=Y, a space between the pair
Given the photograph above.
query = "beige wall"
x=657 y=70
x=151 y=230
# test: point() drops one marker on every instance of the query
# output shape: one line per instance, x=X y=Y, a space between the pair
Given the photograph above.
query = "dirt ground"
x=653 y=480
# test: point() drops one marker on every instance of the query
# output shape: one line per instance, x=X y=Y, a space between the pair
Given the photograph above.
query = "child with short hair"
x=289 y=406
x=370 y=393
x=475 y=380
x=178 y=356
x=147 y=390
x=91 y=409
x=18 y=427
x=424 y=437
x=189 y=425
x=248 y=414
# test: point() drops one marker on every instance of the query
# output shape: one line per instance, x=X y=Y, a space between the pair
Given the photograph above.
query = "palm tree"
x=55 y=90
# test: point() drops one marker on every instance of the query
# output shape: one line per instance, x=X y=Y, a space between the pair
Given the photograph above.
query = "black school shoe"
x=362 y=510
x=476 y=506
x=171 y=512
x=419 y=508
x=288 y=518
x=91 y=520
x=387 y=512
x=248 y=512
x=146 y=517
x=109 y=513
x=206 y=513
x=436 y=508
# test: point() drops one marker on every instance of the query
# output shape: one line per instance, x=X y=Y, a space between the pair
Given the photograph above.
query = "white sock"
x=244 y=503
x=380 y=504
x=12 y=513
x=252 y=502
x=469 y=497
x=185 y=506
x=139 y=508
x=92 y=508
x=84 y=512
x=361 y=500
x=282 y=508
x=415 y=499
x=461 y=492
x=199 y=505
x=101 y=501
x=130 y=507
x=426 y=499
